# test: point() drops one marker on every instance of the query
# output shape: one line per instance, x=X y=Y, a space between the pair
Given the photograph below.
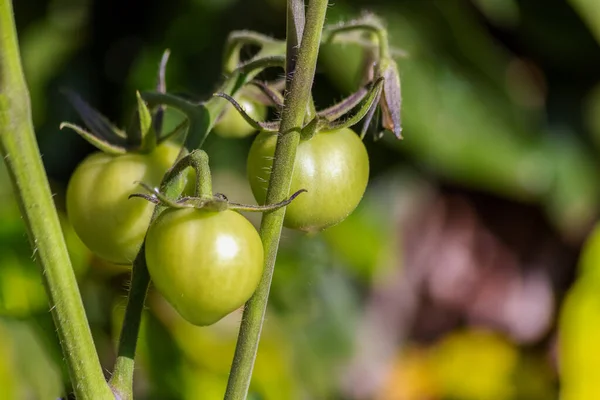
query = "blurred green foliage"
x=499 y=97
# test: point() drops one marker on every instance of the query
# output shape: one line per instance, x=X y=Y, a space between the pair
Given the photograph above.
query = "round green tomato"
x=205 y=263
x=107 y=222
x=233 y=125
x=332 y=166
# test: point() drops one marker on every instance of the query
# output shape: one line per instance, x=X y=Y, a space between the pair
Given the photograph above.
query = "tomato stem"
x=21 y=154
x=198 y=160
x=294 y=111
x=258 y=125
x=202 y=117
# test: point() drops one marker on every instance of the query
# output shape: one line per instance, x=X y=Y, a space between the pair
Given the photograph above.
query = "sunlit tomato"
x=233 y=125
x=205 y=263
x=332 y=166
x=107 y=222
x=589 y=260
x=578 y=345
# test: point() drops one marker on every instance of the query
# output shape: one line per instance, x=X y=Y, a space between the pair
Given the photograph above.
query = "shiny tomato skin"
x=109 y=224
x=206 y=264
x=332 y=166
x=233 y=125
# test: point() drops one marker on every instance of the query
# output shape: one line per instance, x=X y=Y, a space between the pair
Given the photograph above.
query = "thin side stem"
x=198 y=160
x=293 y=114
x=122 y=377
x=20 y=152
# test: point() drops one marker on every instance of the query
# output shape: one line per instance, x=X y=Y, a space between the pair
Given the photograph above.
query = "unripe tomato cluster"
x=206 y=262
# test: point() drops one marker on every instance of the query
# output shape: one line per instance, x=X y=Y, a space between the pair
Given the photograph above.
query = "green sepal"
x=146 y=129
x=97 y=123
x=314 y=126
x=95 y=141
x=366 y=105
x=218 y=202
x=343 y=107
x=258 y=125
x=269 y=96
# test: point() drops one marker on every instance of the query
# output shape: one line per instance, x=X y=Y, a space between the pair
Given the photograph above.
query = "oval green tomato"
x=205 y=263
x=332 y=166
x=233 y=125
x=106 y=221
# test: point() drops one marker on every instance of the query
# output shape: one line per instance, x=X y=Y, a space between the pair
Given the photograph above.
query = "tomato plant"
x=204 y=258
x=233 y=125
x=205 y=263
x=332 y=166
x=109 y=223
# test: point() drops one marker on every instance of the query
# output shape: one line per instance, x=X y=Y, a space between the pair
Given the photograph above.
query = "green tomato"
x=205 y=263
x=332 y=166
x=233 y=125
x=106 y=221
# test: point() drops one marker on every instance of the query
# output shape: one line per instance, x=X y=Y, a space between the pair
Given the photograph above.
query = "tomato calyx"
x=217 y=202
x=203 y=197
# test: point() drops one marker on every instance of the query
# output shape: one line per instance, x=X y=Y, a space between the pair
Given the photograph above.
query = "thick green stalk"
x=21 y=154
x=279 y=186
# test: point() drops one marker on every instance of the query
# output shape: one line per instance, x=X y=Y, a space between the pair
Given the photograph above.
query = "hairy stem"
x=20 y=152
x=293 y=114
